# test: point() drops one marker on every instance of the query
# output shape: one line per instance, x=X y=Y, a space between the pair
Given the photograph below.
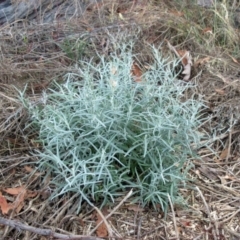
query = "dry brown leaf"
x=19 y=202
x=186 y=223
x=234 y=59
x=224 y=154
x=187 y=63
x=122 y=10
x=177 y=13
x=220 y=91
x=28 y=169
x=135 y=208
x=182 y=54
x=4 y=204
x=186 y=60
x=55 y=35
x=17 y=205
x=22 y=194
x=81 y=222
x=34 y=143
x=187 y=72
x=14 y=191
x=136 y=72
x=207 y=30
x=31 y=194
x=45 y=193
x=13 y=171
x=201 y=61
x=102 y=229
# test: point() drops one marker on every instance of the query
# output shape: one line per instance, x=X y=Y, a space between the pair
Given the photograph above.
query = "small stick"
x=44 y=232
x=205 y=203
x=174 y=218
x=209 y=213
x=230 y=139
x=139 y=229
x=172 y=48
x=232 y=232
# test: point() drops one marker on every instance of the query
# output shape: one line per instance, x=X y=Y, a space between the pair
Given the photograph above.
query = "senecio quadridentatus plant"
x=103 y=134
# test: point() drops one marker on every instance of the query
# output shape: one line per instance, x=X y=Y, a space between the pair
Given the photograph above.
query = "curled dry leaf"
x=186 y=60
x=136 y=72
x=201 y=61
x=187 y=63
x=207 y=30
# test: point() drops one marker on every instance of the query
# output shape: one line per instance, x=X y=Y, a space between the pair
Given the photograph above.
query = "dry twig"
x=44 y=232
x=174 y=218
x=113 y=211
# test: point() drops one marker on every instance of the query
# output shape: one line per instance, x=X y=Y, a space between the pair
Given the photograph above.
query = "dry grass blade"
x=174 y=219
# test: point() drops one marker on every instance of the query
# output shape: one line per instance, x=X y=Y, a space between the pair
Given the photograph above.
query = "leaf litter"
x=212 y=211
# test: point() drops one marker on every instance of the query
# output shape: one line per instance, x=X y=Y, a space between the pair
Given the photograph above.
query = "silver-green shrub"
x=102 y=133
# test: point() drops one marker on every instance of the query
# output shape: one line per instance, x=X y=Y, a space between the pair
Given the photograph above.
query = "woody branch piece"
x=44 y=232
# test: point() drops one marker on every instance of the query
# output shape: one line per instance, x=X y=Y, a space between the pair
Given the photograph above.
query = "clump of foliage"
x=103 y=133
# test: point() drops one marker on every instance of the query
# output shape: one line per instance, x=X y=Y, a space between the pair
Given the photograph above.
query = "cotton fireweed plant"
x=103 y=134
